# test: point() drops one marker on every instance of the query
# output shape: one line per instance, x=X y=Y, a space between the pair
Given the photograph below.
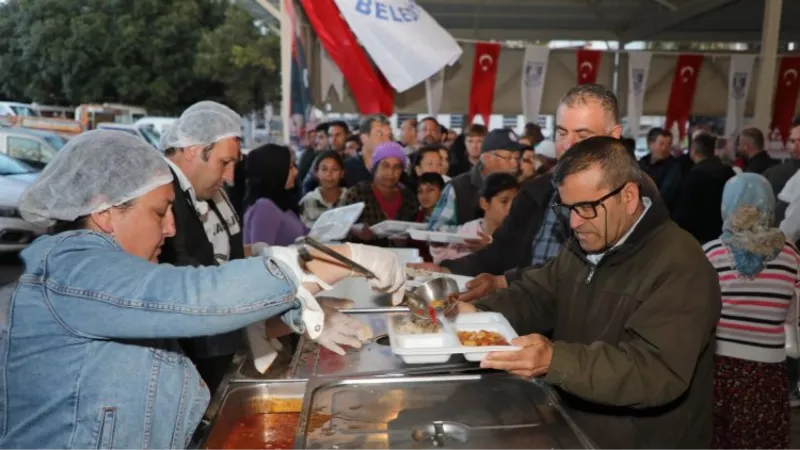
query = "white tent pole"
x=769 y=58
x=286 y=70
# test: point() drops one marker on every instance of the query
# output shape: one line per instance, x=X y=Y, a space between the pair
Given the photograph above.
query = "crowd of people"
x=659 y=296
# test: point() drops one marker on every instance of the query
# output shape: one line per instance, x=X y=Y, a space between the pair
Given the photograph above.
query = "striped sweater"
x=756 y=310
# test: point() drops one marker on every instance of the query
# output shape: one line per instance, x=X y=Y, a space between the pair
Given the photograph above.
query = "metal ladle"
x=416 y=304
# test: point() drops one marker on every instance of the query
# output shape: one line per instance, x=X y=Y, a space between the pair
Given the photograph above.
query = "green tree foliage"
x=242 y=57
x=142 y=52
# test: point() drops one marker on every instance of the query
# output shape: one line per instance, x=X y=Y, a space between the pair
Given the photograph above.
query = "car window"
x=23 y=111
x=56 y=141
x=10 y=166
x=26 y=149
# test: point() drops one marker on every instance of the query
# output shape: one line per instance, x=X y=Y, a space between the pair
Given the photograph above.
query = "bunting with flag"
x=786 y=89
x=484 y=76
x=681 y=94
x=588 y=62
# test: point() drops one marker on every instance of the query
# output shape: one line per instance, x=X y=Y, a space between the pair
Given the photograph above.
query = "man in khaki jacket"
x=632 y=304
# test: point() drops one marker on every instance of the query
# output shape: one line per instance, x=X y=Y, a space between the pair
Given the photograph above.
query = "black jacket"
x=778 y=176
x=667 y=175
x=467 y=187
x=190 y=247
x=760 y=163
x=698 y=209
x=512 y=243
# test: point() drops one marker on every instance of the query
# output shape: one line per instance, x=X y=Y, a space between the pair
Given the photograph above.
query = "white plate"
x=334 y=224
x=439 y=236
x=428 y=348
x=395 y=227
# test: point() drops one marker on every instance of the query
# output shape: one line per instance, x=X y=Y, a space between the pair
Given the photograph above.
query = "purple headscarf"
x=389 y=149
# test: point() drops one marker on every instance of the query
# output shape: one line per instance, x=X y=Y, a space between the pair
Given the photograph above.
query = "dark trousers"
x=212 y=370
x=793 y=365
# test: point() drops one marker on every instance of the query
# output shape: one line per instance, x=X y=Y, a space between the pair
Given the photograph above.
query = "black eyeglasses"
x=584 y=210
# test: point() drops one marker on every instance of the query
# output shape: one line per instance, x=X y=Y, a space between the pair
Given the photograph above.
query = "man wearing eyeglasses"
x=632 y=303
x=458 y=204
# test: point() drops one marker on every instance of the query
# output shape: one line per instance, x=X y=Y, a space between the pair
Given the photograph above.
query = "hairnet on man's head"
x=93 y=172
x=203 y=123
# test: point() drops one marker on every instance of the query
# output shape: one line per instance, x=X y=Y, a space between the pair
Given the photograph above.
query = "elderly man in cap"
x=458 y=204
x=202 y=148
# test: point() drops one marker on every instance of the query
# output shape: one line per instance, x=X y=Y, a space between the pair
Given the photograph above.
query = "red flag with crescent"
x=484 y=75
x=588 y=62
x=681 y=95
x=786 y=89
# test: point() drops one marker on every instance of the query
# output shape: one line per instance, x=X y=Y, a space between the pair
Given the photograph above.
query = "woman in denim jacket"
x=88 y=350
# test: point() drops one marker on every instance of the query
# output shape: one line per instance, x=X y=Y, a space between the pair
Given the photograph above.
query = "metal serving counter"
x=369 y=399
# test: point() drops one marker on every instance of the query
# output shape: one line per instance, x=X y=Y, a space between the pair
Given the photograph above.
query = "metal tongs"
x=416 y=304
x=349 y=263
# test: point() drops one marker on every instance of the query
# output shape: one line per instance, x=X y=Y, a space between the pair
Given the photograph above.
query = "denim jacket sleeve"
x=97 y=289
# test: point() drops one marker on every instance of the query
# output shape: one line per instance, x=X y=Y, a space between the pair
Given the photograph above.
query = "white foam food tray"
x=396 y=227
x=334 y=224
x=435 y=348
x=439 y=236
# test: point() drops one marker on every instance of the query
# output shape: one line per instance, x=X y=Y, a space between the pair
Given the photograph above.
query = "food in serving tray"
x=413 y=325
x=481 y=338
x=270 y=431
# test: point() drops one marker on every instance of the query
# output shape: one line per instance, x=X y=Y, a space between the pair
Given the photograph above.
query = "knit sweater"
x=756 y=311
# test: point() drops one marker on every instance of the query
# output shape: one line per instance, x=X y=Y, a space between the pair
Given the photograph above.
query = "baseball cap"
x=501 y=139
x=546 y=148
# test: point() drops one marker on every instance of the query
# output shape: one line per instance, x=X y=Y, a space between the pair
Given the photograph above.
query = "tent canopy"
x=613 y=20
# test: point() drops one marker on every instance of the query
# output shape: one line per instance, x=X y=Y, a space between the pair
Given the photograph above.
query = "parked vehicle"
x=146 y=132
x=16 y=109
x=15 y=233
x=27 y=147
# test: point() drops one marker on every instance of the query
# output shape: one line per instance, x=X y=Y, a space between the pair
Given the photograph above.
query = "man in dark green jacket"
x=632 y=303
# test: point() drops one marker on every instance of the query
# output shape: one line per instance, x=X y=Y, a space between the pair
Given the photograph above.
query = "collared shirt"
x=443 y=217
x=547 y=243
x=212 y=222
x=595 y=258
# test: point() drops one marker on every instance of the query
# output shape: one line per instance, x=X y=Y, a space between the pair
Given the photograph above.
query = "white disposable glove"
x=341 y=329
x=385 y=265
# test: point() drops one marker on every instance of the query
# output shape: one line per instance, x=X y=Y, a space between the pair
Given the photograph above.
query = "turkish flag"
x=588 y=62
x=369 y=87
x=786 y=90
x=681 y=95
x=484 y=75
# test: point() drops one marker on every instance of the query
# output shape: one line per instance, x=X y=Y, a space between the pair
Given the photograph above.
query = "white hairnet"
x=93 y=172
x=203 y=123
x=167 y=136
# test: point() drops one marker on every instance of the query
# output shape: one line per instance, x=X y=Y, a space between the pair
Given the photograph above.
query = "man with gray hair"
x=531 y=234
x=632 y=303
x=202 y=147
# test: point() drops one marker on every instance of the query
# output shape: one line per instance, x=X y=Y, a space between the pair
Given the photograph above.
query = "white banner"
x=638 y=70
x=406 y=43
x=434 y=92
x=739 y=78
x=330 y=76
x=534 y=69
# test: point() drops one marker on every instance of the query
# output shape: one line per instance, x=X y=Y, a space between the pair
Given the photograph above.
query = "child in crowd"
x=429 y=188
x=498 y=193
x=328 y=168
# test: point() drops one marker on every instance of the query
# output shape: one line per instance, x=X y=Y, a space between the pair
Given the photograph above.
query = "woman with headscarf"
x=88 y=335
x=270 y=199
x=758 y=273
